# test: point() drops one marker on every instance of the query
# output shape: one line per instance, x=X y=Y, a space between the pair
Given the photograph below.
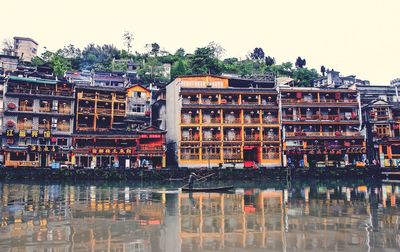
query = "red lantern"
x=10 y=123
x=11 y=105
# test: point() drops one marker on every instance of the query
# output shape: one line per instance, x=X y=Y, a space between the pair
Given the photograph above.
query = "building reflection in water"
x=106 y=218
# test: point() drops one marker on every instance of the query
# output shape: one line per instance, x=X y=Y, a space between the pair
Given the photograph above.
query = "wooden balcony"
x=63 y=127
x=212 y=138
x=90 y=96
x=270 y=138
x=231 y=156
x=64 y=110
x=187 y=156
x=235 y=138
x=104 y=111
x=24 y=126
x=211 y=156
x=187 y=101
x=189 y=120
x=270 y=155
x=251 y=120
x=119 y=112
x=319 y=134
x=212 y=120
x=191 y=138
x=252 y=138
x=46 y=126
x=232 y=120
x=270 y=120
x=25 y=108
x=86 y=110
x=105 y=97
x=45 y=109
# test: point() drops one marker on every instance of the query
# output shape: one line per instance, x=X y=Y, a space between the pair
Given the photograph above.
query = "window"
x=139 y=108
x=138 y=94
x=382 y=130
x=25 y=105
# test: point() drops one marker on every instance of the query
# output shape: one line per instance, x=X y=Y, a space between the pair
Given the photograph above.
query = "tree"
x=300 y=63
x=180 y=53
x=8 y=46
x=95 y=57
x=219 y=51
x=155 y=49
x=269 y=61
x=257 y=54
x=204 y=61
x=323 y=70
x=128 y=38
x=305 y=77
x=179 y=68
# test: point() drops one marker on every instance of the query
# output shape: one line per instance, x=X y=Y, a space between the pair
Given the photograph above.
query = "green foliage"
x=179 y=68
x=304 y=77
x=205 y=60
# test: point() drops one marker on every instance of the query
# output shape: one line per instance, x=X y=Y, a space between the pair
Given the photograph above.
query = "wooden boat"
x=207 y=189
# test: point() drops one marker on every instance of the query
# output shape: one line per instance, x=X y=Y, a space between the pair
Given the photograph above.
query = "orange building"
x=215 y=120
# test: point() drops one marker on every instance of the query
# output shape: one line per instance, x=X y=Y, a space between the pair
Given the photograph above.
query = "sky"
x=360 y=37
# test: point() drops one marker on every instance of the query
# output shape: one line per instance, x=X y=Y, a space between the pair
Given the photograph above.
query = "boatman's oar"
x=199 y=179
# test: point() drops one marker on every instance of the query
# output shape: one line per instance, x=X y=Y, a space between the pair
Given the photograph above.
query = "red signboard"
x=150 y=136
x=113 y=151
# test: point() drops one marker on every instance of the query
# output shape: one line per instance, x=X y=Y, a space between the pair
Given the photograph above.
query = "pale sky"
x=360 y=37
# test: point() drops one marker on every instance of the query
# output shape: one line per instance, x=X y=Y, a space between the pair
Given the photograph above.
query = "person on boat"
x=192 y=177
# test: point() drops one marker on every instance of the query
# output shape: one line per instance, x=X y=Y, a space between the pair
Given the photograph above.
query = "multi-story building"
x=25 y=48
x=321 y=126
x=101 y=136
x=38 y=120
x=8 y=63
x=138 y=112
x=216 y=120
x=334 y=79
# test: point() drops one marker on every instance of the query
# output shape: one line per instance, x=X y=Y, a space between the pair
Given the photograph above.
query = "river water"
x=258 y=216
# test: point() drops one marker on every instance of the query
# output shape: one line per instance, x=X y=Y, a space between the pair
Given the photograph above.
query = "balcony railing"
x=44 y=126
x=244 y=102
x=212 y=138
x=187 y=101
x=39 y=92
x=270 y=120
x=25 y=108
x=187 y=156
x=213 y=156
x=270 y=155
x=104 y=97
x=45 y=109
x=332 y=134
x=190 y=120
x=251 y=138
x=318 y=117
x=191 y=138
x=84 y=127
x=212 y=120
x=252 y=120
x=270 y=138
x=119 y=112
x=208 y=101
x=63 y=128
x=235 y=138
x=88 y=96
x=26 y=126
x=86 y=110
x=232 y=156
x=64 y=110
x=228 y=102
x=232 y=120
x=103 y=110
